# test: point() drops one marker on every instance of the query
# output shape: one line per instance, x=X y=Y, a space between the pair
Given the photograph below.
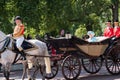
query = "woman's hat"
x=90 y=32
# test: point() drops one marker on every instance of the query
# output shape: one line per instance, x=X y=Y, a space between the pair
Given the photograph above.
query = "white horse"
x=8 y=56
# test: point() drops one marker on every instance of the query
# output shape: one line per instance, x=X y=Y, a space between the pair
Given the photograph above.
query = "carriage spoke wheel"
x=71 y=67
x=54 y=70
x=92 y=65
x=112 y=61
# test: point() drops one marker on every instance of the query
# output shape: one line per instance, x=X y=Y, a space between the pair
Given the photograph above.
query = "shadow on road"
x=100 y=77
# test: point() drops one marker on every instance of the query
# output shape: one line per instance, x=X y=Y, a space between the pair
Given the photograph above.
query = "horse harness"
x=25 y=45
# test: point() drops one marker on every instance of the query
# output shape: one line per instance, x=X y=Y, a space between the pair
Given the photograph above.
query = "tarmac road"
x=16 y=74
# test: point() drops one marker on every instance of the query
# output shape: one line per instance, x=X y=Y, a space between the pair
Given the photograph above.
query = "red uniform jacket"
x=108 y=32
x=117 y=31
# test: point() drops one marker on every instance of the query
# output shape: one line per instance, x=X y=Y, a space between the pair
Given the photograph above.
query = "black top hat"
x=116 y=20
x=109 y=21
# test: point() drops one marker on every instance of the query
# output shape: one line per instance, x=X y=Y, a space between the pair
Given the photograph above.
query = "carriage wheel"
x=54 y=70
x=92 y=65
x=112 y=61
x=71 y=67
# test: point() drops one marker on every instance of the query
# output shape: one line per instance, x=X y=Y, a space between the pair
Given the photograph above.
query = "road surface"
x=16 y=74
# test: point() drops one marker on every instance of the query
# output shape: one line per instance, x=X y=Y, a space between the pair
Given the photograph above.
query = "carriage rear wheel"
x=92 y=65
x=112 y=61
x=71 y=67
x=54 y=70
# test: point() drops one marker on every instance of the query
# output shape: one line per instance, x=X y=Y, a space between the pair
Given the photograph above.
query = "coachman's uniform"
x=117 y=31
x=108 y=32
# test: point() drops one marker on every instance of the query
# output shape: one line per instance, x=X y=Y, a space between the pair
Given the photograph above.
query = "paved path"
x=102 y=75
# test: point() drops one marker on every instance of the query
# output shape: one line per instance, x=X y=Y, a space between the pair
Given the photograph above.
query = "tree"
x=50 y=16
x=114 y=7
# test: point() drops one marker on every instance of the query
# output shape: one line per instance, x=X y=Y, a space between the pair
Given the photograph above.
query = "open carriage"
x=90 y=54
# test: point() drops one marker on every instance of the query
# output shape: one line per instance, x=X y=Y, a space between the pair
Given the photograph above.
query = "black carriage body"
x=80 y=47
x=63 y=45
x=91 y=54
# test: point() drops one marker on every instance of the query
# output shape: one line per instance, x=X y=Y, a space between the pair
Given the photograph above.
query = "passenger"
x=108 y=32
x=91 y=36
x=62 y=33
x=116 y=29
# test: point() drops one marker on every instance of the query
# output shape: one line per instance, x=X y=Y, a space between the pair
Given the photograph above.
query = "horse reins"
x=7 y=40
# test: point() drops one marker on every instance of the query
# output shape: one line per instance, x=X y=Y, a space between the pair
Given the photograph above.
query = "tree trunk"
x=115 y=7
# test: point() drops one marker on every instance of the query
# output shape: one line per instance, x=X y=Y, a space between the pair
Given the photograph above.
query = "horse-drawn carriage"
x=74 y=52
x=90 y=55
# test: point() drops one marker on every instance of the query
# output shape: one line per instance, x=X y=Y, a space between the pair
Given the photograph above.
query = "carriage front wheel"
x=92 y=65
x=71 y=67
x=112 y=60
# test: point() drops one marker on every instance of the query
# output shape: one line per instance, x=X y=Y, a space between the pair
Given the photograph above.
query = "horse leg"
x=42 y=67
x=35 y=72
x=25 y=66
x=6 y=71
x=0 y=66
x=28 y=73
x=6 y=74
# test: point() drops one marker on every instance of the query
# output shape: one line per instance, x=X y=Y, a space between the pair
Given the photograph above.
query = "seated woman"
x=91 y=36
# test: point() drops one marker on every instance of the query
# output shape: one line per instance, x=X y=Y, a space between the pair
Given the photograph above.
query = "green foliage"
x=50 y=16
x=81 y=31
x=30 y=31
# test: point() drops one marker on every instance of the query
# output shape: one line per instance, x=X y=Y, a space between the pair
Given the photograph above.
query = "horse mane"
x=3 y=35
